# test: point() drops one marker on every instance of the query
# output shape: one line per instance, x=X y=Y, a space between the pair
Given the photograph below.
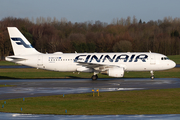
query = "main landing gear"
x=95 y=76
x=152 y=75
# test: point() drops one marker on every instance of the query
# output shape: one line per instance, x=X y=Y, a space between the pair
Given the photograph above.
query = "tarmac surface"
x=45 y=87
x=17 y=116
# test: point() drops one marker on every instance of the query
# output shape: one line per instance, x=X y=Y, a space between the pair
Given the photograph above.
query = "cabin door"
x=152 y=59
x=40 y=61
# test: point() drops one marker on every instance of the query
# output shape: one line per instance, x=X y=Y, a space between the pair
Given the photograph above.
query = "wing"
x=97 y=67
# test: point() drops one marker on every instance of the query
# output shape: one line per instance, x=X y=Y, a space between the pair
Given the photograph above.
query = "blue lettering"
x=87 y=58
x=77 y=58
x=132 y=57
x=142 y=57
x=123 y=57
x=95 y=57
x=110 y=60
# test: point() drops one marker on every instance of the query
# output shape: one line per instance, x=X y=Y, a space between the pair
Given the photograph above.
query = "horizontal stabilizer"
x=14 y=59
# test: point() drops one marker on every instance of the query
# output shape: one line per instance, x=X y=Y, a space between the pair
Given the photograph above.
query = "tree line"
x=50 y=35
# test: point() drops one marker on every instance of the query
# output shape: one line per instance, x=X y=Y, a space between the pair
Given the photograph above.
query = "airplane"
x=112 y=64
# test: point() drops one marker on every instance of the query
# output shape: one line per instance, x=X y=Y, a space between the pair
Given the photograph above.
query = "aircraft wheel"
x=94 y=77
x=152 y=77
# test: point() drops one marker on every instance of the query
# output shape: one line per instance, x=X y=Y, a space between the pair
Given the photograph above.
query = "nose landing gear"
x=152 y=75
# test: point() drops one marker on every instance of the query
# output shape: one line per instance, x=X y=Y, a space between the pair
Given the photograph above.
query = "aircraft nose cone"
x=172 y=64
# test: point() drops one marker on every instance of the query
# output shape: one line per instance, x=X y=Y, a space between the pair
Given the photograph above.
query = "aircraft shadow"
x=5 y=77
x=75 y=77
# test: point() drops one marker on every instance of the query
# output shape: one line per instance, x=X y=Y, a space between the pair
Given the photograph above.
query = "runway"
x=46 y=87
x=18 y=116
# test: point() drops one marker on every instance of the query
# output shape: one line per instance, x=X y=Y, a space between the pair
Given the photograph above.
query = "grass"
x=7 y=85
x=32 y=73
x=172 y=73
x=7 y=63
x=164 y=101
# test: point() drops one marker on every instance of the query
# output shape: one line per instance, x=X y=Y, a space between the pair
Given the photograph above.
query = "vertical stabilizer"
x=20 y=45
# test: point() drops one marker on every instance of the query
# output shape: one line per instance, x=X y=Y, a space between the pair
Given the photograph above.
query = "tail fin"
x=21 y=46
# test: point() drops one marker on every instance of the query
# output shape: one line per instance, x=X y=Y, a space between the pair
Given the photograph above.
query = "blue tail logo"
x=19 y=41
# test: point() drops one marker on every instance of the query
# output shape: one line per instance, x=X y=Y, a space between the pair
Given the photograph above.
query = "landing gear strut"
x=95 y=76
x=152 y=75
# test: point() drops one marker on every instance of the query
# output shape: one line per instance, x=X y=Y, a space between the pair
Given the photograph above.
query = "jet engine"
x=116 y=72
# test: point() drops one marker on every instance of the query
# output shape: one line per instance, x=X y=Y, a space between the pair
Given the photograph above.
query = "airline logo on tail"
x=19 y=41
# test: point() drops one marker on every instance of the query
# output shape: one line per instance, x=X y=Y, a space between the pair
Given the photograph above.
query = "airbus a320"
x=112 y=64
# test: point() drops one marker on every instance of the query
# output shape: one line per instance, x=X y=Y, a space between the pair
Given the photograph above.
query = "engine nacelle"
x=116 y=72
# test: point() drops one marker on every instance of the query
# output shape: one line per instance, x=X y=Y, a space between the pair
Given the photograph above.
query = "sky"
x=90 y=10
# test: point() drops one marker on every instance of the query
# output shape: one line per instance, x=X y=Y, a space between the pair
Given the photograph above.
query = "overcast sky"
x=87 y=10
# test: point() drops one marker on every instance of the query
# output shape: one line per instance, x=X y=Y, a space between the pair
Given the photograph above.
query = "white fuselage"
x=140 y=61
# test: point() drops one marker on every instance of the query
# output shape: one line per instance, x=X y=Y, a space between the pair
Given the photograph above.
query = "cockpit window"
x=164 y=58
